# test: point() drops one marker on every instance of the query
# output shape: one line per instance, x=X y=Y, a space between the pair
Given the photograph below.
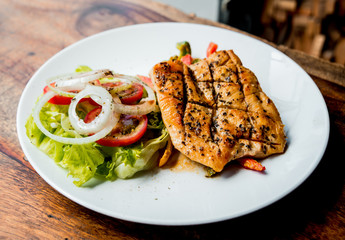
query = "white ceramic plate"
x=168 y=197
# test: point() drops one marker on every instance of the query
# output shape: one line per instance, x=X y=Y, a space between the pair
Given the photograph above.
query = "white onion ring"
x=36 y=115
x=103 y=98
x=76 y=82
x=144 y=107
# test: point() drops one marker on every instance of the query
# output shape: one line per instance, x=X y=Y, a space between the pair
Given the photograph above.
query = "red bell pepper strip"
x=251 y=164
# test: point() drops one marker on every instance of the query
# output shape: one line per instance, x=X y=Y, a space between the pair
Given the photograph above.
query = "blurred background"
x=316 y=27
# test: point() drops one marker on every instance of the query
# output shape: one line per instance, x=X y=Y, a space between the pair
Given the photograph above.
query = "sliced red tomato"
x=47 y=89
x=187 y=59
x=212 y=47
x=111 y=84
x=92 y=114
x=146 y=80
x=92 y=102
x=57 y=99
x=63 y=100
x=128 y=130
x=60 y=100
x=132 y=95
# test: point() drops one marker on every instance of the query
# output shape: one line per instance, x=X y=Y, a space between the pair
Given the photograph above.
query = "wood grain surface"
x=33 y=31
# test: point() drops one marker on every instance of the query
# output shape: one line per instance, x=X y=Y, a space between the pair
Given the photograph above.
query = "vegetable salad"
x=98 y=123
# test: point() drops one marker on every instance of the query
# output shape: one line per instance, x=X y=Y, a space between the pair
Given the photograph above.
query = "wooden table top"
x=33 y=31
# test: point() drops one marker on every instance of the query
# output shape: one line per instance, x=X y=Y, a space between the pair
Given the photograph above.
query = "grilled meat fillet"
x=215 y=110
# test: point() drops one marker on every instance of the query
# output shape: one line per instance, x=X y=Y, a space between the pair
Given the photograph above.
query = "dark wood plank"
x=316 y=67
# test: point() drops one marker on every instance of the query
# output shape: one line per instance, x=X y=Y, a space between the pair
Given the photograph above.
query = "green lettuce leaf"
x=81 y=161
x=51 y=116
x=52 y=148
x=126 y=161
x=33 y=132
x=82 y=69
x=154 y=120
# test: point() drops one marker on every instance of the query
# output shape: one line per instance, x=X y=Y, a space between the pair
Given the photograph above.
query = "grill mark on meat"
x=213 y=129
x=222 y=113
x=235 y=60
x=198 y=91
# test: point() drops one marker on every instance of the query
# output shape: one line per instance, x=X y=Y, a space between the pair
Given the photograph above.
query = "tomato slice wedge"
x=132 y=95
x=63 y=100
x=111 y=84
x=57 y=99
x=146 y=80
x=129 y=129
x=92 y=114
x=212 y=47
x=136 y=126
x=187 y=59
